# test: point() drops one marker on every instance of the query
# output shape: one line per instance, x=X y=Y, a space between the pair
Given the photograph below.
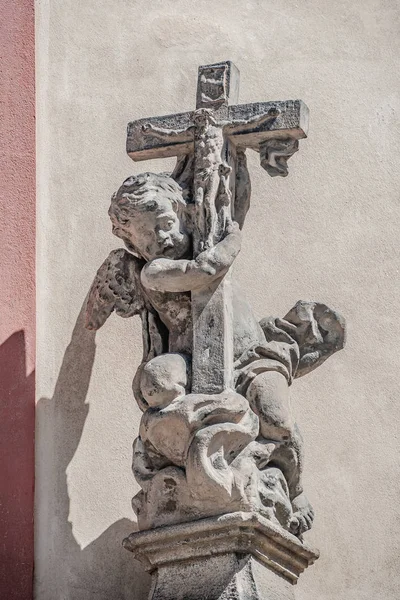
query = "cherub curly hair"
x=133 y=195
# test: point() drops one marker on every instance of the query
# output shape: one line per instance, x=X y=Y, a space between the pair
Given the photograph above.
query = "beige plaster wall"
x=329 y=232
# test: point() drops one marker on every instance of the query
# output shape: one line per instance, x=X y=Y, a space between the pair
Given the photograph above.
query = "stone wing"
x=115 y=287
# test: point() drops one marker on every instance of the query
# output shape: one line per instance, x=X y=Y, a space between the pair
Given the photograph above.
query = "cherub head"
x=148 y=213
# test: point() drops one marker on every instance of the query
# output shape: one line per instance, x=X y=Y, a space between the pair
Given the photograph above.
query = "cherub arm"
x=166 y=275
x=115 y=287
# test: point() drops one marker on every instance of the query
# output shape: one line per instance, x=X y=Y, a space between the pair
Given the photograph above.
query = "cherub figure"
x=155 y=277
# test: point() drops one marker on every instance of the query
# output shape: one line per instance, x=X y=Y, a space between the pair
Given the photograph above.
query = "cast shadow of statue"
x=103 y=569
x=17 y=419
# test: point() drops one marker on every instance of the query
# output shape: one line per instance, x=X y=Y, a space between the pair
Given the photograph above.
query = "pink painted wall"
x=17 y=298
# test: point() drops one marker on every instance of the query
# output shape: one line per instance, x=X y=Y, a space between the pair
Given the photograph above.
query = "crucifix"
x=213 y=136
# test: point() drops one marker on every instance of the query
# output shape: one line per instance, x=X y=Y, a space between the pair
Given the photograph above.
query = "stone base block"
x=221 y=558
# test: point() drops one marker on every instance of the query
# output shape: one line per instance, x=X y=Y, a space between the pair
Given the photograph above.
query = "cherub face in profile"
x=147 y=213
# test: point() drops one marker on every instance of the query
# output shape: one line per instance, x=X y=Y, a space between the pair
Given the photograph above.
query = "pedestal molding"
x=239 y=532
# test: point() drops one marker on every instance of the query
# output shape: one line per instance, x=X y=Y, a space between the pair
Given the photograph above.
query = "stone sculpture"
x=217 y=436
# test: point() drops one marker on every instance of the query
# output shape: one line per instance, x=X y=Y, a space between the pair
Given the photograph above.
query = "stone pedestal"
x=219 y=558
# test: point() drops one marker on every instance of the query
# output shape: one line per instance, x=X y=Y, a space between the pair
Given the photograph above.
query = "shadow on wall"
x=17 y=418
x=103 y=569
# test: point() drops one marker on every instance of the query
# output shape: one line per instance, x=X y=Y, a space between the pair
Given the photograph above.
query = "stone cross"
x=212 y=134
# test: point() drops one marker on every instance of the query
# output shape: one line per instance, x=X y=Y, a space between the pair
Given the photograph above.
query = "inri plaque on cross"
x=213 y=134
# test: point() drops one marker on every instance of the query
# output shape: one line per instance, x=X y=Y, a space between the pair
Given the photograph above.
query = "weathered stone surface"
x=217 y=434
x=228 y=576
x=215 y=558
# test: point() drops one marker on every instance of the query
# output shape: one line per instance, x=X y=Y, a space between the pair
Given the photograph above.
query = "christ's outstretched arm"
x=161 y=133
